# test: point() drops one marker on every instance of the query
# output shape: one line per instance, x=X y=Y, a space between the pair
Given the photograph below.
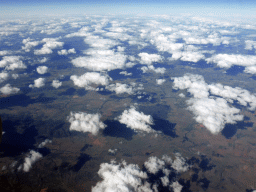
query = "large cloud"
x=29 y=160
x=40 y=82
x=136 y=120
x=213 y=111
x=128 y=177
x=42 y=69
x=227 y=61
x=90 y=78
x=101 y=60
x=84 y=122
x=8 y=89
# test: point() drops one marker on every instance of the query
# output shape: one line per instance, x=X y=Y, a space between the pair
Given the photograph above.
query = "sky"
x=16 y=8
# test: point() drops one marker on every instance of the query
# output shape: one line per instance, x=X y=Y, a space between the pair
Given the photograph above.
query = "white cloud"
x=8 y=89
x=42 y=69
x=28 y=44
x=3 y=76
x=3 y=53
x=90 y=78
x=40 y=82
x=250 y=69
x=120 y=177
x=148 y=59
x=125 y=73
x=160 y=81
x=49 y=44
x=101 y=60
x=65 y=52
x=152 y=68
x=12 y=63
x=84 y=122
x=213 y=111
x=29 y=160
x=153 y=165
x=128 y=177
x=187 y=56
x=46 y=141
x=227 y=61
x=15 y=76
x=249 y=44
x=136 y=120
x=56 y=84
x=176 y=186
x=182 y=95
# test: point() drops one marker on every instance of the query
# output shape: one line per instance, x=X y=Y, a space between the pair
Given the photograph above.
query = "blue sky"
x=61 y=7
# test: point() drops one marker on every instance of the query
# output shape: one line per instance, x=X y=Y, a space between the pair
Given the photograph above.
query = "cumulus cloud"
x=148 y=59
x=90 y=78
x=12 y=63
x=84 y=122
x=249 y=44
x=136 y=120
x=3 y=76
x=120 y=88
x=28 y=44
x=160 y=81
x=187 y=56
x=42 y=69
x=65 y=52
x=40 y=82
x=8 y=89
x=152 y=68
x=125 y=73
x=227 y=61
x=56 y=84
x=129 y=177
x=49 y=45
x=29 y=160
x=119 y=177
x=45 y=142
x=101 y=60
x=214 y=111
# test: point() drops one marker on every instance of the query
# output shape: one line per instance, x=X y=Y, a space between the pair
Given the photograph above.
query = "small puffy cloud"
x=179 y=164
x=249 y=44
x=120 y=88
x=112 y=151
x=15 y=76
x=153 y=165
x=8 y=89
x=49 y=44
x=3 y=53
x=148 y=59
x=41 y=145
x=160 y=81
x=3 y=76
x=136 y=120
x=65 y=52
x=250 y=69
x=187 y=56
x=176 y=186
x=29 y=160
x=42 y=69
x=56 y=84
x=152 y=68
x=12 y=63
x=40 y=82
x=227 y=61
x=90 y=78
x=28 y=44
x=125 y=73
x=182 y=95
x=84 y=122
